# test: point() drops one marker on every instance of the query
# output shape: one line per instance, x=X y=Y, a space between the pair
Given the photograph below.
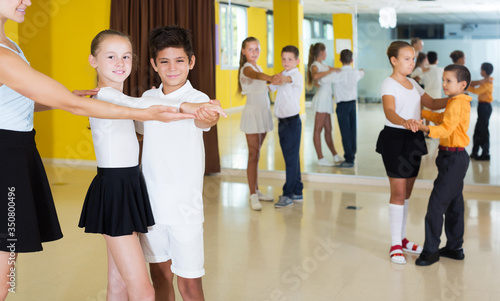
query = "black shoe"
x=473 y=156
x=483 y=158
x=427 y=258
x=453 y=254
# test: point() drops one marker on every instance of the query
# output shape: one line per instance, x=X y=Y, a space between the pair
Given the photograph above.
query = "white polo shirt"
x=287 y=101
x=173 y=163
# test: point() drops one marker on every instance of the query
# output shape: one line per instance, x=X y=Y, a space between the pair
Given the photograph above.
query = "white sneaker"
x=324 y=162
x=264 y=197
x=255 y=203
x=337 y=158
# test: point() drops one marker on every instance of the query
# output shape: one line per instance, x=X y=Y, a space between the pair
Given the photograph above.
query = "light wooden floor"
x=318 y=251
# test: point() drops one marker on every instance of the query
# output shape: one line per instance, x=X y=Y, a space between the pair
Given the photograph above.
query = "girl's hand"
x=411 y=124
x=215 y=102
x=212 y=107
x=192 y=108
x=83 y=93
x=166 y=114
x=277 y=79
x=206 y=115
x=333 y=69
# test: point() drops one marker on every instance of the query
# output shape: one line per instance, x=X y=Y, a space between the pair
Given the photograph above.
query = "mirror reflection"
x=475 y=34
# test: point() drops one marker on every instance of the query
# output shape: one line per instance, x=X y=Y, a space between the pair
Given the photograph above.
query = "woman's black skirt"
x=117 y=203
x=27 y=213
x=401 y=151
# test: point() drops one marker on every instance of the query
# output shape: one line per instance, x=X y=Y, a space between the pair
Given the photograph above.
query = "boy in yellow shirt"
x=484 y=89
x=452 y=163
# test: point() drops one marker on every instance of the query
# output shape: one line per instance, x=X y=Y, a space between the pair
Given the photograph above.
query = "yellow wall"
x=289 y=14
x=342 y=29
x=12 y=30
x=227 y=80
x=56 y=38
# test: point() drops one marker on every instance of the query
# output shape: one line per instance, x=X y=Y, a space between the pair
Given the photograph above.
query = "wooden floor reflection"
x=317 y=251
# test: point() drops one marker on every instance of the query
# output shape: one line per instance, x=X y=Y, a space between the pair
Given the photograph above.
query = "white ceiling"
x=409 y=11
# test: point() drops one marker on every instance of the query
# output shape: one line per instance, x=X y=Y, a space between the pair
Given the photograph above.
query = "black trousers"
x=346 y=115
x=481 y=138
x=447 y=199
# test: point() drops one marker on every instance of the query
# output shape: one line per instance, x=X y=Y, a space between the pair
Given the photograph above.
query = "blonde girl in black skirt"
x=400 y=143
x=27 y=213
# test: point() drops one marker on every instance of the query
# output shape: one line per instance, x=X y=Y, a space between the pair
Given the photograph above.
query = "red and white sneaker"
x=411 y=247
x=397 y=255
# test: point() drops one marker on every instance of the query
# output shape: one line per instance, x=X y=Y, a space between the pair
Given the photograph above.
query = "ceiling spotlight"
x=387 y=17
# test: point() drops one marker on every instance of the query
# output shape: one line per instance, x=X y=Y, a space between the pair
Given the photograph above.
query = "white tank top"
x=16 y=110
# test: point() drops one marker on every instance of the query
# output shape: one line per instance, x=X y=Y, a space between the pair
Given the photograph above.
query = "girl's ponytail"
x=243 y=59
x=314 y=52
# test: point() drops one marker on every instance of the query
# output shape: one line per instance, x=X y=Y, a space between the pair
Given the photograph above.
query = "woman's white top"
x=115 y=140
x=256 y=116
x=322 y=101
x=16 y=110
x=407 y=101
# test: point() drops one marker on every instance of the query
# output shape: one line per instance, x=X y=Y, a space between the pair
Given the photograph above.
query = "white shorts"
x=182 y=244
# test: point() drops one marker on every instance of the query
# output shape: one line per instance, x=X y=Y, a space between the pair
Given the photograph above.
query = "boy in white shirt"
x=173 y=163
x=345 y=90
x=287 y=109
x=433 y=77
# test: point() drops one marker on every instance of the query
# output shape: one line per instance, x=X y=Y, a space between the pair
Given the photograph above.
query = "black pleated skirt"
x=117 y=203
x=401 y=151
x=27 y=213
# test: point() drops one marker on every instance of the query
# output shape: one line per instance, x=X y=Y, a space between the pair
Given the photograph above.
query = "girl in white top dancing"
x=322 y=102
x=256 y=119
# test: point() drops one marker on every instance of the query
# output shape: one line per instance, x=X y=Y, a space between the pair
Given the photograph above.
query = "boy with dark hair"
x=173 y=163
x=452 y=163
x=287 y=109
x=484 y=90
x=433 y=76
x=345 y=90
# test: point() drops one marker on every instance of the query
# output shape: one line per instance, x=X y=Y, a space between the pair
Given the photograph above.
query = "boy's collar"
x=187 y=84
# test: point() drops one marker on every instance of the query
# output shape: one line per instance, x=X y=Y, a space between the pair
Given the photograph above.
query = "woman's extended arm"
x=19 y=76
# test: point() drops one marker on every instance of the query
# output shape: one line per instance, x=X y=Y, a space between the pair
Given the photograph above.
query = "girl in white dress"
x=322 y=103
x=256 y=119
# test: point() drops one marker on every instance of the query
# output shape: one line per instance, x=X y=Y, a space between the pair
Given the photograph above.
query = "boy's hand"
x=83 y=93
x=192 y=108
x=277 y=79
x=166 y=114
x=206 y=116
x=422 y=127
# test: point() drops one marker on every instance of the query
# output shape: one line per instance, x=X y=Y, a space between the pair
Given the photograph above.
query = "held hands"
x=411 y=124
x=167 y=114
x=415 y=125
x=277 y=79
x=213 y=108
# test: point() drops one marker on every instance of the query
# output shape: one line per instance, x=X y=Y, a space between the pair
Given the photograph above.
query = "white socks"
x=405 y=218
x=396 y=213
